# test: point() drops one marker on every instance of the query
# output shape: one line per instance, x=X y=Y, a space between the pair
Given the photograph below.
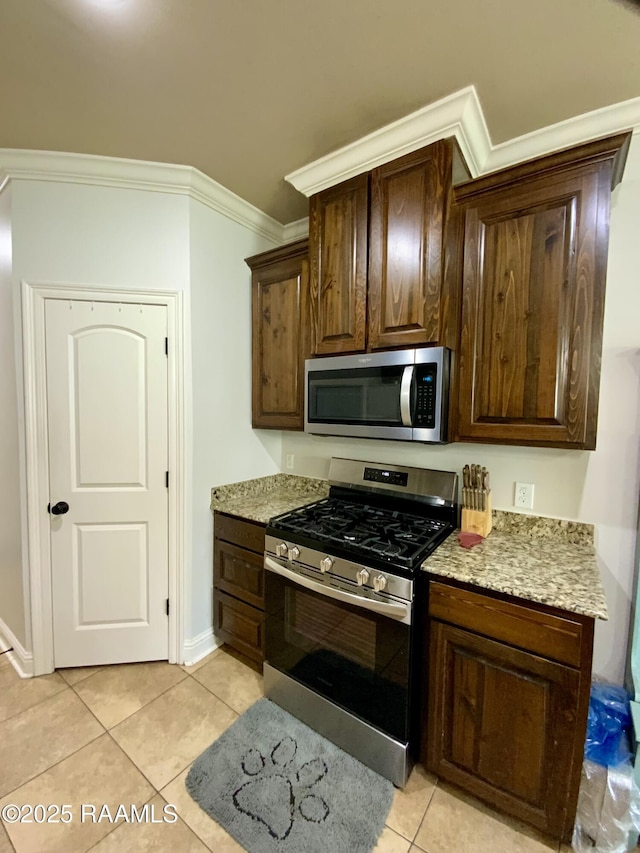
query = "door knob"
x=60 y=508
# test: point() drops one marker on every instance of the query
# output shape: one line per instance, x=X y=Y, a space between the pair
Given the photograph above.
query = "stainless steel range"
x=340 y=606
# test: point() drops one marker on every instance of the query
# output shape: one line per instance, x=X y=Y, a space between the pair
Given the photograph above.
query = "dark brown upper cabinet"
x=338 y=266
x=377 y=248
x=534 y=266
x=280 y=335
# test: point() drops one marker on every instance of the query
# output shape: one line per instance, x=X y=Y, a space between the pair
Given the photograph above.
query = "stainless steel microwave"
x=403 y=394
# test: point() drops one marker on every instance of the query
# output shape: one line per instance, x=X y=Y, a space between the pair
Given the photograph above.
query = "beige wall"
x=599 y=487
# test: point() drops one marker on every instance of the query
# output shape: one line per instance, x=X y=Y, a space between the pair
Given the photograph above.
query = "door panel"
x=97 y=355
x=107 y=423
x=110 y=574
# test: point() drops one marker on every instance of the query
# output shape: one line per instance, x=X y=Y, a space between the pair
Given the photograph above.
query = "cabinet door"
x=535 y=247
x=338 y=261
x=239 y=625
x=280 y=336
x=502 y=725
x=239 y=572
x=406 y=231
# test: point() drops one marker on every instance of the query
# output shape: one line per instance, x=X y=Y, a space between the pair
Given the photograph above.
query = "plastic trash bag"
x=608 y=814
x=608 y=723
x=608 y=809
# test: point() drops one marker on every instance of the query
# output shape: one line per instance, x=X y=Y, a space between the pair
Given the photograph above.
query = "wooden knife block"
x=477 y=521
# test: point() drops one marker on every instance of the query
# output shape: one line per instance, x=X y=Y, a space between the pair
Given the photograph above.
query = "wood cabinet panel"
x=239 y=572
x=408 y=294
x=534 y=265
x=505 y=712
x=338 y=261
x=503 y=725
x=238 y=584
x=280 y=336
x=239 y=625
x=408 y=203
x=558 y=637
x=240 y=531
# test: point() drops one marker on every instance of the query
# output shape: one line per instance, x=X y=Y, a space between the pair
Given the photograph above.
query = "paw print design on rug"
x=277 y=794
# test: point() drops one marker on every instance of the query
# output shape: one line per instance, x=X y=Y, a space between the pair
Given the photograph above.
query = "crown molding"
x=459 y=115
x=296 y=230
x=606 y=121
x=122 y=173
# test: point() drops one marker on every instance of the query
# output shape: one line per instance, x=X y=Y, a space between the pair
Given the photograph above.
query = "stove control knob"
x=379 y=583
x=325 y=564
x=294 y=552
x=362 y=577
x=282 y=549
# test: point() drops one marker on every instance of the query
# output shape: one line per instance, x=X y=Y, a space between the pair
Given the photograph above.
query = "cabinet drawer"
x=527 y=627
x=246 y=534
x=239 y=572
x=239 y=625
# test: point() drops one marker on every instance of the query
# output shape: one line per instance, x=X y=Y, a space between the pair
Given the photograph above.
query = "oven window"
x=356 y=659
x=365 y=395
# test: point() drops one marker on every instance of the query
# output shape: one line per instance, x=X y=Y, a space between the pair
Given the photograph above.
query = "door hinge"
x=166 y=479
x=167 y=606
x=166 y=346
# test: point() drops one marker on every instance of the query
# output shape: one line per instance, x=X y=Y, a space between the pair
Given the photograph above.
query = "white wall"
x=119 y=238
x=95 y=236
x=599 y=487
x=225 y=448
x=12 y=611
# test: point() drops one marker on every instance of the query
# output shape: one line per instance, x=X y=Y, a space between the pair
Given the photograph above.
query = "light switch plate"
x=290 y=461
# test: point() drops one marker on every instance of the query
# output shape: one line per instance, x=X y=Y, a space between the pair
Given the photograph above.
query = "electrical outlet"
x=524 y=495
x=290 y=460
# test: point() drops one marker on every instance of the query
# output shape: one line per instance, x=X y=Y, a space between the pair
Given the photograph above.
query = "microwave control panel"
x=425 y=408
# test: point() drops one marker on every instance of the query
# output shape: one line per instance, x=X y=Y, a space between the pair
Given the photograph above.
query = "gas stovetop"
x=364 y=531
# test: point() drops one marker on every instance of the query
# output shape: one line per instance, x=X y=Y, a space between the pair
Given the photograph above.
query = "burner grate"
x=364 y=529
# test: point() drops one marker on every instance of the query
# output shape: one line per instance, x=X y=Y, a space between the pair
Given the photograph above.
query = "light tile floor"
x=128 y=734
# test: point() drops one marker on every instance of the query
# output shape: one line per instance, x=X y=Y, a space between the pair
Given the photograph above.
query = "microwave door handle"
x=400 y=612
x=405 y=395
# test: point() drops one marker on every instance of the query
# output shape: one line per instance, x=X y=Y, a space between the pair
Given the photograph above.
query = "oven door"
x=355 y=657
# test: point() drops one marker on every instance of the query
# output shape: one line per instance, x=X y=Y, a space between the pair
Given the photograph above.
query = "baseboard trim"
x=20 y=658
x=199 y=647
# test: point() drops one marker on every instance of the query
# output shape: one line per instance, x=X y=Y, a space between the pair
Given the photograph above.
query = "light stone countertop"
x=555 y=565
x=537 y=559
x=266 y=497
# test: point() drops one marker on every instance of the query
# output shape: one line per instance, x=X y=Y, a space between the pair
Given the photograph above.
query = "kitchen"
x=167 y=240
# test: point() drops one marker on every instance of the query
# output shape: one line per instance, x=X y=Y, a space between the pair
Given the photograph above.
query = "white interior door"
x=106 y=375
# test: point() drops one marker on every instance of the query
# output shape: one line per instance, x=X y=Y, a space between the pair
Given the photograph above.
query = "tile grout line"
x=35 y=705
x=115 y=725
x=51 y=766
x=11 y=845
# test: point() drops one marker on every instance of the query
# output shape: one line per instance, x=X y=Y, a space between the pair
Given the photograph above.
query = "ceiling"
x=250 y=90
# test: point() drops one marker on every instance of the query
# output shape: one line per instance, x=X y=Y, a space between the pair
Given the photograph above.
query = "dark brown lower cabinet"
x=508 y=703
x=238 y=584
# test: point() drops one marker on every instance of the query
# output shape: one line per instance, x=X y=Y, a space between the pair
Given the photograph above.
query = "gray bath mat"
x=278 y=787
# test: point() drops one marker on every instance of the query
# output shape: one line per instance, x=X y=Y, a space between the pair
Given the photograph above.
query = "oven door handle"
x=401 y=612
x=405 y=395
